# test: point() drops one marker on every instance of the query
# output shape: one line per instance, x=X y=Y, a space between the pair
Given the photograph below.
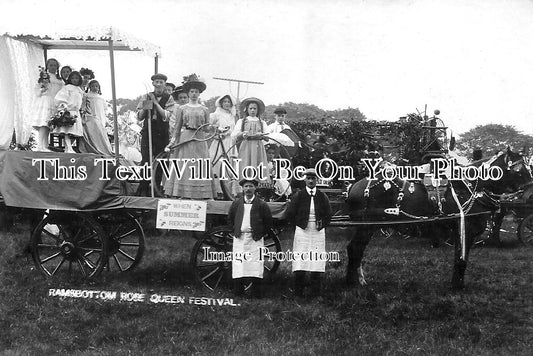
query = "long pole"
x=150 y=149
x=114 y=97
x=239 y=81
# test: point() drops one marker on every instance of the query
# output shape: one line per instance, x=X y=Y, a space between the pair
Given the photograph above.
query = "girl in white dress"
x=70 y=98
x=49 y=84
x=94 y=135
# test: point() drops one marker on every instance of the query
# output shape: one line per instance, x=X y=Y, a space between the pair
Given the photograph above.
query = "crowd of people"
x=69 y=103
x=179 y=123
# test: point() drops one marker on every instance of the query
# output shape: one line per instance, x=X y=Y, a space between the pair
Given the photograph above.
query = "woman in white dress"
x=70 y=98
x=48 y=85
x=222 y=119
x=94 y=135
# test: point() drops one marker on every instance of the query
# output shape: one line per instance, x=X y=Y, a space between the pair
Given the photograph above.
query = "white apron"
x=253 y=267
x=310 y=242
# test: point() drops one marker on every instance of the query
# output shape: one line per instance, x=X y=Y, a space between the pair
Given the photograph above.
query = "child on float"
x=223 y=119
x=64 y=73
x=48 y=85
x=94 y=134
x=70 y=98
x=250 y=132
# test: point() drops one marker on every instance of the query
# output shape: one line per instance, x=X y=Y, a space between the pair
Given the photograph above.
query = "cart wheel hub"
x=67 y=248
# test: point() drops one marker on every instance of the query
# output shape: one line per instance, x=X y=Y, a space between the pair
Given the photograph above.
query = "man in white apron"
x=310 y=211
x=251 y=220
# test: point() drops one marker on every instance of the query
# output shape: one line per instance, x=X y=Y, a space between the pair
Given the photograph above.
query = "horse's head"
x=516 y=172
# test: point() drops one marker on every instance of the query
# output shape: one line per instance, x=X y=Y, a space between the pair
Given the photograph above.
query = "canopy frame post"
x=114 y=99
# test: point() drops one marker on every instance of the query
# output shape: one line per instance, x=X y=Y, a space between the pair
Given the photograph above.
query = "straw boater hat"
x=310 y=172
x=260 y=104
x=244 y=180
x=193 y=81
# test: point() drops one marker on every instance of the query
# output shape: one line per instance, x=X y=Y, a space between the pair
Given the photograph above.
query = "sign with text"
x=181 y=214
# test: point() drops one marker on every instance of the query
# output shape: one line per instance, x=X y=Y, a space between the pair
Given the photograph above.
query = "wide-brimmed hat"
x=158 y=76
x=244 y=180
x=177 y=91
x=280 y=110
x=260 y=104
x=219 y=99
x=193 y=81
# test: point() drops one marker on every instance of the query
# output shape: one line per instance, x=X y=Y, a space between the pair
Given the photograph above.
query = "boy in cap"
x=251 y=220
x=310 y=211
x=278 y=125
x=157 y=106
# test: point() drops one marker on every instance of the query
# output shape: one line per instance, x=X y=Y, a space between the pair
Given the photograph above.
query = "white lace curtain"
x=19 y=62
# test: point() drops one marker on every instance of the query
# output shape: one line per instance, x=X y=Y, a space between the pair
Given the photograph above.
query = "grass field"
x=406 y=309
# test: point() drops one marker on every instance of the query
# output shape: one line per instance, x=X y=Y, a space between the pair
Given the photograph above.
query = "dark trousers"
x=315 y=282
x=159 y=142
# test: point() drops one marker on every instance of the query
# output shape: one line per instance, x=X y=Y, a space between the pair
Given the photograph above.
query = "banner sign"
x=181 y=214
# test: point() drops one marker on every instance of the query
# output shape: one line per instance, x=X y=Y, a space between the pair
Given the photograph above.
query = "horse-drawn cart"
x=88 y=223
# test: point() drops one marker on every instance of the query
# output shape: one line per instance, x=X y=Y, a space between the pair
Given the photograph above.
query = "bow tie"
x=247 y=202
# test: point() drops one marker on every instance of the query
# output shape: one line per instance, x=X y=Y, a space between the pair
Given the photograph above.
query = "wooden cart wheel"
x=525 y=230
x=215 y=275
x=125 y=237
x=69 y=243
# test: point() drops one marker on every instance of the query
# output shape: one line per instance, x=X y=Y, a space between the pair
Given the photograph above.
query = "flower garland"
x=62 y=118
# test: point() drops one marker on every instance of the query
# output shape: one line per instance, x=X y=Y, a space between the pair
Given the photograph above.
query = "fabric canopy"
x=21 y=53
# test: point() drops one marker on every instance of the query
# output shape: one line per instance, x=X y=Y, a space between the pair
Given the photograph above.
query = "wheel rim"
x=126 y=241
x=212 y=275
x=216 y=275
x=68 y=244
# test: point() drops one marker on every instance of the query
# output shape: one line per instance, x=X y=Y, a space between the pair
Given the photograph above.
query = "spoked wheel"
x=125 y=237
x=219 y=242
x=71 y=244
x=525 y=230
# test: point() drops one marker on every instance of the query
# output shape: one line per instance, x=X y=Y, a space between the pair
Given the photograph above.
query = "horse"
x=457 y=209
x=509 y=189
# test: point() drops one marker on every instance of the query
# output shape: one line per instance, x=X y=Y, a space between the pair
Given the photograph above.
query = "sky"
x=472 y=60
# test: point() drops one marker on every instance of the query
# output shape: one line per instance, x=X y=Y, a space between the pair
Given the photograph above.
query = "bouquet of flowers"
x=44 y=79
x=62 y=118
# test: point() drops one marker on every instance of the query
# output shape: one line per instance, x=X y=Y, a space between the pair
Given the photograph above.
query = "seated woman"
x=189 y=118
x=251 y=132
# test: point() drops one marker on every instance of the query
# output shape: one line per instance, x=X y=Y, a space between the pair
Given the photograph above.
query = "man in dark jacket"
x=251 y=220
x=158 y=106
x=310 y=211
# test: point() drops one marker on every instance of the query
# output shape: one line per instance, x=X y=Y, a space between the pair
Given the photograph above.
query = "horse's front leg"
x=356 y=249
x=474 y=227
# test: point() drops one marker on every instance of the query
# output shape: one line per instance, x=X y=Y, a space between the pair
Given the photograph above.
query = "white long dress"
x=44 y=106
x=246 y=244
x=70 y=97
x=309 y=241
